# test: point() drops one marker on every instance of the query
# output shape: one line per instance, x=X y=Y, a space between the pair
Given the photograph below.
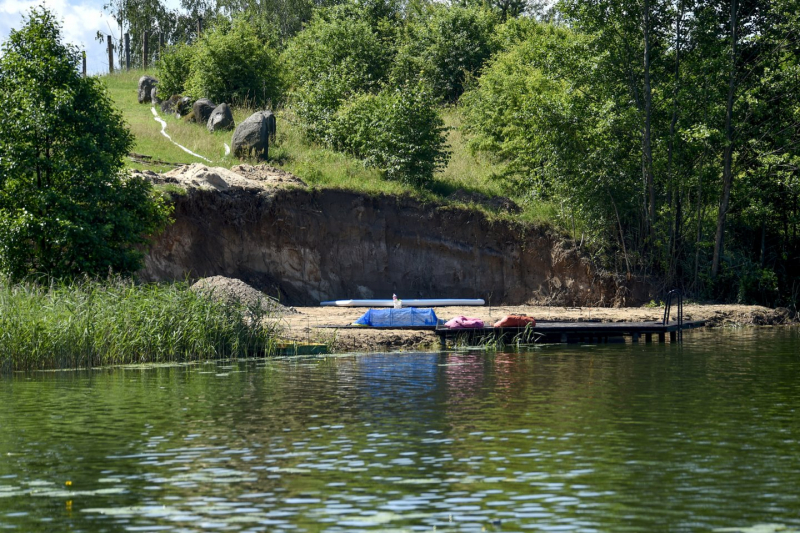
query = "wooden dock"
x=570 y=332
x=551 y=331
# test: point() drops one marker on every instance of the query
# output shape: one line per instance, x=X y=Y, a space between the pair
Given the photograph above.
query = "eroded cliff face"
x=306 y=246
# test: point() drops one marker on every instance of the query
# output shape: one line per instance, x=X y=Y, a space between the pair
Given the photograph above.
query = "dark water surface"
x=692 y=437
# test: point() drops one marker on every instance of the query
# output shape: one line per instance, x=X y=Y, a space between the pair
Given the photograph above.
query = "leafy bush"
x=231 y=63
x=335 y=57
x=66 y=207
x=444 y=47
x=397 y=131
x=174 y=68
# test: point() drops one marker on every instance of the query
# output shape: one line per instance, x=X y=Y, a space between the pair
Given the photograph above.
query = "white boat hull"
x=440 y=302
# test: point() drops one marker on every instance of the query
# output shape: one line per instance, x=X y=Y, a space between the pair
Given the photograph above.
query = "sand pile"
x=234 y=290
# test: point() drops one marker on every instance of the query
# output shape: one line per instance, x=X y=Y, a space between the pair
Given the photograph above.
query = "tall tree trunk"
x=674 y=187
x=646 y=138
x=621 y=237
x=699 y=228
x=727 y=156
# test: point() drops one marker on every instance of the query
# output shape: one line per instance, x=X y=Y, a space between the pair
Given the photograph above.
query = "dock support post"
x=635 y=337
x=648 y=337
x=673 y=336
x=564 y=338
x=661 y=337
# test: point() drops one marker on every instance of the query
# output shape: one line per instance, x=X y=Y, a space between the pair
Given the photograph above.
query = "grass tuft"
x=90 y=323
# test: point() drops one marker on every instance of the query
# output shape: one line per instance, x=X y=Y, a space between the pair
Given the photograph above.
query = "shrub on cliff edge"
x=232 y=63
x=398 y=131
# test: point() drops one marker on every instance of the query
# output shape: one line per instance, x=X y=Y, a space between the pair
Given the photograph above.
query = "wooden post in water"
x=127 y=51
x=144 y=50
x=84 y=63
x=110 y=55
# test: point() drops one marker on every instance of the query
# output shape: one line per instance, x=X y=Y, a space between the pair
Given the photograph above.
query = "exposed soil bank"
x=305 y=246
x=305 y=325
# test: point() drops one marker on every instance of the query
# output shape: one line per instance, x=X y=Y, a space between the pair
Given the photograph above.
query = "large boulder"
x=221 y=119
x=272 y=125
x=184 y=107
x=177 y=104
x=168 y=105
x=146 y=84
x=202 y=109
x=251 y=138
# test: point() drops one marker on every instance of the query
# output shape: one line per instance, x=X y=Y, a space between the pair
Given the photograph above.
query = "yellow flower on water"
x=68 y=483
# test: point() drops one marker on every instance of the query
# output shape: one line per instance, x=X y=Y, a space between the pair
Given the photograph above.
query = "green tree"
x=232 y=63
x=174 y=69
x=669 y=128
x=341 y=53
x=443 y=46
x=398 y=131
x=66 y=208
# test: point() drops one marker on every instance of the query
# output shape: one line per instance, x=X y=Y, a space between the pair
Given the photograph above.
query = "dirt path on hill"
x=307 y=324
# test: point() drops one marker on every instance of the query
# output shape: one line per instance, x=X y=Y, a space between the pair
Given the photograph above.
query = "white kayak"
x=440 y=302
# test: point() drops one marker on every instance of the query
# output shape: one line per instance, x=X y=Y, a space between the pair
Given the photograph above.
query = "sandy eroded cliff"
x=305 y=245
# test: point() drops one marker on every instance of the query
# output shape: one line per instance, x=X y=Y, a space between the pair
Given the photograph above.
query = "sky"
x=81 y=20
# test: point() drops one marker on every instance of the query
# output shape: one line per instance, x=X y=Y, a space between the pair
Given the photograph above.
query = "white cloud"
x=81 y=20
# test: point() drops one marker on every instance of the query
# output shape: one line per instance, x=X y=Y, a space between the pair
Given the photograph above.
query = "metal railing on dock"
x=674 y=293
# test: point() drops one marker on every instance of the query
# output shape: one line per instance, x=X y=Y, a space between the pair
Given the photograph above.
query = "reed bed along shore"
x=116 y=321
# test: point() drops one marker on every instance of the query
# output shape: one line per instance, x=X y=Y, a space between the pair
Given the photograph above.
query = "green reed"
x=116 y=321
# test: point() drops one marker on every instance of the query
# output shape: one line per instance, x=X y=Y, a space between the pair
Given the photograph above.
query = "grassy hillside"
x=316 y=165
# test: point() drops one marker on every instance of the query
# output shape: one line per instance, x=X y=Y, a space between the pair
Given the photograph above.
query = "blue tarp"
x=410 y=316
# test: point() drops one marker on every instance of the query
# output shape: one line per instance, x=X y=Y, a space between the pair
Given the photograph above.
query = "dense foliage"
x=174 y=69
x=66 y=207
x=444 y=46
x=397 y=131
x=669 y=130
x=337 y=56
x=338 y=67
x=232 y=63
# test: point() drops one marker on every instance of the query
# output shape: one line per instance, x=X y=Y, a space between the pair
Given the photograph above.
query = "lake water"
x=693 y=437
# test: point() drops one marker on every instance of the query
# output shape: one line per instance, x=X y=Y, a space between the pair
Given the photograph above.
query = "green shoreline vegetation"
x=69 y=211
x=116 y=321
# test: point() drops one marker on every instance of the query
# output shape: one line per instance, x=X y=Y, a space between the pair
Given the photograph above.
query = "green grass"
x=118 y=322
x=317 y=165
